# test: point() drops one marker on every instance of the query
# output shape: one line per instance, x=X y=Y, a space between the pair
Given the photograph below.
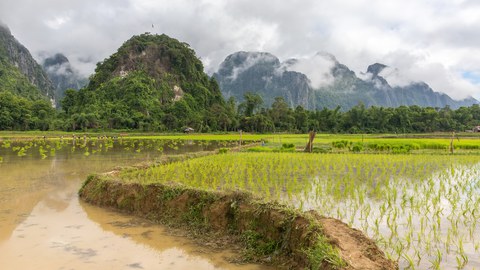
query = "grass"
x=322 y=252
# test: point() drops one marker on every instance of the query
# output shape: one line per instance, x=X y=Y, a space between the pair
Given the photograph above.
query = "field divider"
x=268 y=231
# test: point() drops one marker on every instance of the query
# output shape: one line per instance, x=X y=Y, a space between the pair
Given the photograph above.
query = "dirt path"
x=269 y=231
x=359 y=251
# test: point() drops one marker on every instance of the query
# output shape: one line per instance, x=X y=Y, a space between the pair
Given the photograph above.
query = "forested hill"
x=153 y=82
x=20 y=74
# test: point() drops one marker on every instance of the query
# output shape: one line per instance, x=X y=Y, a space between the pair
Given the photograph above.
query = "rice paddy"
x=423 y=210
x=418 y=201
x=33 y=148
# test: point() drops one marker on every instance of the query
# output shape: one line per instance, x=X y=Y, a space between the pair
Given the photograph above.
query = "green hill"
x=153 y=82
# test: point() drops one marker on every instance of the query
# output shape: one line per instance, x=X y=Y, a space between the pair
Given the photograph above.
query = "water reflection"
x=44 y=226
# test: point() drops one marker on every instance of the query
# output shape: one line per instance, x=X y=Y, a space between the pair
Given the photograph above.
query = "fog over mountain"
x=432 y=41
x=62 y=75
x=322 y=81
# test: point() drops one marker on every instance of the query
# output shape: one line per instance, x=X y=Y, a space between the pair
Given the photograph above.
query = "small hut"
x=188 y=130
x=476 y=129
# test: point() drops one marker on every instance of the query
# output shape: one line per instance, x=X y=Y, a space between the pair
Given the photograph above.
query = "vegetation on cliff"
x=153 y=82
x=20 y=74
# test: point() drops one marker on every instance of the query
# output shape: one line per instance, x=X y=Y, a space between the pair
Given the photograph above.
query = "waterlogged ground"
x=423 y=210
x=43 y=225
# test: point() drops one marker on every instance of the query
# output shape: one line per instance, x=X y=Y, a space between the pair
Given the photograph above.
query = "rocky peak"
x=375 y=69
x=241 y=57
x=239 y=62
x=55 y=60
x=327 y=56
x=243 y=72
x=62 y=75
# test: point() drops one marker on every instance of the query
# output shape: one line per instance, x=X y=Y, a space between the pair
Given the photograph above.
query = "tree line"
x=18 y=113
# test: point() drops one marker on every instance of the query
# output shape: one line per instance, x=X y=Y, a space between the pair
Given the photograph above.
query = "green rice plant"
x=42 y=152
x=21 y=152
x=435 y=262
x=6 y=144
x=411 y=262
x=411 y=204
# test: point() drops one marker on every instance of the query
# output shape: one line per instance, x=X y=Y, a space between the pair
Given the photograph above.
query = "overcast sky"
x=436 y=41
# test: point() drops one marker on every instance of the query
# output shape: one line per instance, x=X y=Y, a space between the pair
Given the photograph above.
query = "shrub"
x=288 y=145
x=357 y=147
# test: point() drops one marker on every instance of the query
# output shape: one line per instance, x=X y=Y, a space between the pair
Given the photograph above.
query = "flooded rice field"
x=43 y=225
x=421 y=209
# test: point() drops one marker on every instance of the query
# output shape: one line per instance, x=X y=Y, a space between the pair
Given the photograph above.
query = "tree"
x=69 y=101
x=301 y=119
x=251 y=104
x=281 y=114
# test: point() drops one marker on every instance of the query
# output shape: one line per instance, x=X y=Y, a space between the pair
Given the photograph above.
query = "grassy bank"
x=288 y=238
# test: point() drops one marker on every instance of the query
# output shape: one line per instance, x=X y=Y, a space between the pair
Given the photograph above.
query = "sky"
x=435 y=41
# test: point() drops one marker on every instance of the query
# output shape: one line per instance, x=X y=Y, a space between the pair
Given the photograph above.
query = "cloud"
x=57 y=22
x=358 y=33
x=250 y=60
x=318 y=69
x=405 y=68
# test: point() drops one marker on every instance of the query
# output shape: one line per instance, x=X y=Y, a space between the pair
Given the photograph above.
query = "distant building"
x=188 y=130
x=476 y=129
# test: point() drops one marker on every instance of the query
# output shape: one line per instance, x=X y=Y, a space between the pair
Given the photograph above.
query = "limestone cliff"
x=19 y=72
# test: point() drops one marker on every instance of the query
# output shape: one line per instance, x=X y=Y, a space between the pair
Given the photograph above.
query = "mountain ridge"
x=341 y=86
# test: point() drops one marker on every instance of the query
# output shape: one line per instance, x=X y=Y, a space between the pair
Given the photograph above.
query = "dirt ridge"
x=287 y=237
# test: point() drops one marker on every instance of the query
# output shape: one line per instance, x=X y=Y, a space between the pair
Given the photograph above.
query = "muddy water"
x=43 y=225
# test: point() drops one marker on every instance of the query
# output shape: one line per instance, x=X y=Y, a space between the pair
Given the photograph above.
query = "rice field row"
x=48 y=148
x=423 y=210
x=376 y=142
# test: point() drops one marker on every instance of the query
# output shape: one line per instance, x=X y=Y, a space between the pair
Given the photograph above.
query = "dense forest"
x=17 y=113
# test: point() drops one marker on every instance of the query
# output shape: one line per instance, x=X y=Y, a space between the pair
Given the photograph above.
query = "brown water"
x=43 y=225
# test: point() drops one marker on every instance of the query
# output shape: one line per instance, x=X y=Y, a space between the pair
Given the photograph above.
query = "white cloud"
x=405 y=68
x=317 y=68
x=250 y=61
x=441 y=35
x=57 y=22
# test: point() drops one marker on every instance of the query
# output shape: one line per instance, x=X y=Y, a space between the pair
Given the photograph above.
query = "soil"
x=269 y=232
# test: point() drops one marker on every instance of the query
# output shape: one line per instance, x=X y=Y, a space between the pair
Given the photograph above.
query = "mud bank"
x=269 y=231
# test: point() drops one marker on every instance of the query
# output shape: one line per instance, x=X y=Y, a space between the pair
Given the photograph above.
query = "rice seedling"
x=422 y=209
x=415 y=206
x=6 y=144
